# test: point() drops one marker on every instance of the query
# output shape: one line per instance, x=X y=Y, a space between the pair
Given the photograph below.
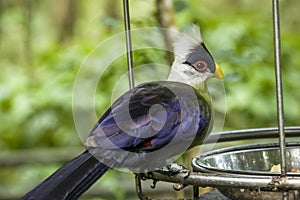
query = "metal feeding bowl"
x=253 y=160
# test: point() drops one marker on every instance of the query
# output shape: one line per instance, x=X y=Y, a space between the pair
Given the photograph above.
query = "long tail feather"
x=71 y=180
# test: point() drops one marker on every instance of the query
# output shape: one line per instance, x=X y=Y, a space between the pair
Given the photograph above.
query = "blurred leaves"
x=36 y=94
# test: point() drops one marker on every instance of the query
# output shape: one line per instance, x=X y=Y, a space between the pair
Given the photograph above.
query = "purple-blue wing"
x=148 y=117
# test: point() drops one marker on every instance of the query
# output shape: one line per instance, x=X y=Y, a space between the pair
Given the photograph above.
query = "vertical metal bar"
x=138 y=188
x=196 y=192
x=128 y=43
x=279 y=94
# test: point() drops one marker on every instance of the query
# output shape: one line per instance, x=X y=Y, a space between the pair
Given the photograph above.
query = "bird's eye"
x=200 y=66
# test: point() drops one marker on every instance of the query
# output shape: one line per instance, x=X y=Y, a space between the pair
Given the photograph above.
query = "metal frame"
x=263 y=182
x=283 y=181
x=248 y=134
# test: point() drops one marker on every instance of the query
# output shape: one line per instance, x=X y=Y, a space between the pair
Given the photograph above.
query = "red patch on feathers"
x=147 y=144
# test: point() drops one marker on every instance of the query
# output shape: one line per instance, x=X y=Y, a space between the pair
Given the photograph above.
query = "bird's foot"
x=172 y=169
x=178 y=186
x=175 y=169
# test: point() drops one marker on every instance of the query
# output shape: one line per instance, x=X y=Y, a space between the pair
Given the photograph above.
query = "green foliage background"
x=38 y=69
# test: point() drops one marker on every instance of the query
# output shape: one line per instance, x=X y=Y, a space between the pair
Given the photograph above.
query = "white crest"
x=187 y=41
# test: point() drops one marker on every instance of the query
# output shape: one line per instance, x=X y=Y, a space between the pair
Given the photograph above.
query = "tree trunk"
x=1 y=11
x=67 y=19
x=27 y=11
x=166 y=19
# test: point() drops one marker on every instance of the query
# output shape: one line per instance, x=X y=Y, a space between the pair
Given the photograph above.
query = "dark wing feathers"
x=141 y=122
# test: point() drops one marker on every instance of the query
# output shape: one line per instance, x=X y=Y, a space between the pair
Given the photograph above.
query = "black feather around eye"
x=200 y=59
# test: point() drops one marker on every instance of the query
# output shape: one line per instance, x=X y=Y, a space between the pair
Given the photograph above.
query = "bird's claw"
x=175 y=169
x=153 y=184
x=178 y=187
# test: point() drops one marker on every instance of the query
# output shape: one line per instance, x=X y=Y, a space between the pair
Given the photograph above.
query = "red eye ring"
x=200 y=66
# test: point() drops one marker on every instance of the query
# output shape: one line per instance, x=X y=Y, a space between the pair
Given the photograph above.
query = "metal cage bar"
x=279 y=95
x=128 y=43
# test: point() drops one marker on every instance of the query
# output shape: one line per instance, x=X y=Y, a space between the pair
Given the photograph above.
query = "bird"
x=146 y=126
